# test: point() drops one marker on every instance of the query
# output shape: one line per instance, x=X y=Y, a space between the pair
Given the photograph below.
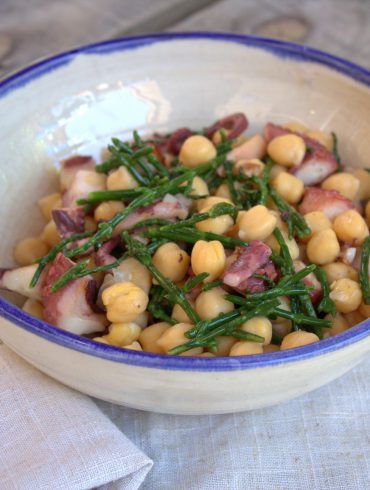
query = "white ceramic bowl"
x=74 y=102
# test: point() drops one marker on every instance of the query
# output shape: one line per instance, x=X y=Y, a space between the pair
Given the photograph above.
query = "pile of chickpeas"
x=126 y=299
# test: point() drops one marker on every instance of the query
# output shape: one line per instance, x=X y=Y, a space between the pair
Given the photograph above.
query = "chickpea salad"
x=203 y=242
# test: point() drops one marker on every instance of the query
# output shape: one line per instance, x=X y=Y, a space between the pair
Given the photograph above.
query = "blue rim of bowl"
x=84 y=345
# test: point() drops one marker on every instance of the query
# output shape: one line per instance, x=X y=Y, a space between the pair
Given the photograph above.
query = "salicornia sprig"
x=326 y=305
x=364 y=271
x=54 y=252
x=139 y=251
x=295 y=221
x=336 y=152
x=231 y=182
x=194 y=281
x=161 y=169
x=116 y=195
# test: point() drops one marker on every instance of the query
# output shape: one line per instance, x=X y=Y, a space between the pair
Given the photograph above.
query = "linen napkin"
x=53 y=437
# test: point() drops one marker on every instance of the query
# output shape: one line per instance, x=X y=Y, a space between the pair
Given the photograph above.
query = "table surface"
x=335 y=436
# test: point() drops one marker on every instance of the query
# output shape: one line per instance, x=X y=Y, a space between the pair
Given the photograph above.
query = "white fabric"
x=53 y=438
x=320 y=441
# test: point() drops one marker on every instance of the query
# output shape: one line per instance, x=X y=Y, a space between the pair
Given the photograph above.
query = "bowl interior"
x=74 y=103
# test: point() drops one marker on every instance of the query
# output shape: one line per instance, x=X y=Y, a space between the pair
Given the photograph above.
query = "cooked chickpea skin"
x=210 y=304
x=317 y=221
x=122 y=334
x=339 y=325
x=344 y=183
x=245 y=348
x=106 y=210
x=50 y=234
x=48 y=203
x=290 y=243
x=199 y=187
x=363 y=177
x=249 y=167
x=223 y=191
x=224 y=344
x=149 y=336
x=208 y=257
x=174 y=336
x=339 y=270
x=256 y=224
x=346 y=295
x=171 y=261
x=259 y=325
x=195 y=150
x=351 y=227
x=323 y=247
x=179 y=314
x=325 y=139
x=364 y=310
x=121 y=179
x=287 y=150
x=297 y=339
x=124 y=301
x=34 y=308
x=289 y=187
x=29 y=249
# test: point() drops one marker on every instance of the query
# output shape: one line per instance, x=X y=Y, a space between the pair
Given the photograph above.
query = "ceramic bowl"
x=75 y=101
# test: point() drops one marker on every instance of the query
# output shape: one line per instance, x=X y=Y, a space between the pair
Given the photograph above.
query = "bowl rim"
x=84 y=345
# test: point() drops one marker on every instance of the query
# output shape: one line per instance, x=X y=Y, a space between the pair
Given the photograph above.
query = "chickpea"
x=363 y=177
x=323 y=247
x=282 y=326
x=289 y=186
x=296 y=127
x=339 y=270
x=287 y=150
x=34 y=308
x=124 y=301
x=210 y=304
x=206 y=354
x=275 y=171
x=217 y=137
x=249 y=168
x=223 y=191
x=290 y=243
x=270 y=348
x=210 y=201
x=142 y=319
x=354 y=318
x=28 y=250
x=101 y=340
x=179 y=314
x=224 y=344
x=208 y=257
x=256 y=224
x=245 y=348
x=48 y=203
x=106 y=210
x=199 y=187
x=131 y=270
x=196 y=150
x=344 y=183
x=367 y=212
x=317 y=221
x=134 y=346
x=121 y=334
x=171 y=261
x=346 y=295
x=50 y=234
x=339 y=324
x=149 y=336
x=217 y=225
x=297 y=339
x=259 y=325
x=279 y=221
x=351 y=227
x=174 y=336
x=253 y=148
x=121 y=179
x=325 y=139
x=364 y=310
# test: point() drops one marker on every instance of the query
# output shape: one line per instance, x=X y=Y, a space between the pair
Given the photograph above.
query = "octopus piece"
x=254 y=147
x=103 y=255
x=246 y=261
x=170 y=208
x=69 y=221
x=235 y=125
x=176 y=140
x=329 y=202
x=318 y=162
x=71 y=166
x=69 y=308
x=310 y=281
x=84 y=182
x=18 y=280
